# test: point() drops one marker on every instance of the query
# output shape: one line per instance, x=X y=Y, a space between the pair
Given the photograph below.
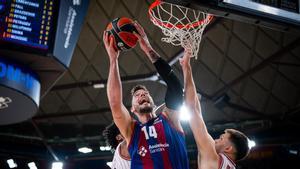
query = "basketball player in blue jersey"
x=154 y=141
x=213 y=154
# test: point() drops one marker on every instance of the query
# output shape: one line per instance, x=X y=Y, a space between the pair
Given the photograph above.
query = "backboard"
x=277 y=14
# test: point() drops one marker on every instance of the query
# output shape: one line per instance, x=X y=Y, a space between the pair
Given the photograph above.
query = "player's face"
x=223 y=143
x=142 y=102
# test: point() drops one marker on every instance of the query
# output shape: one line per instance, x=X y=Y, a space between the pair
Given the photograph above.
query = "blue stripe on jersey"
x=178 y=157
x=140 y=146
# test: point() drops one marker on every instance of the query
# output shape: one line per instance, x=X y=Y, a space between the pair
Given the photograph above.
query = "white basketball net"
x=181 y=26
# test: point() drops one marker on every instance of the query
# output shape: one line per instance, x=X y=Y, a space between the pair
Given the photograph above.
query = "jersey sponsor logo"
x=153 y=149
x=142 y=151
x=158 y=147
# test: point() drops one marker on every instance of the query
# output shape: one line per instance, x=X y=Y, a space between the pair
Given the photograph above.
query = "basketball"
x=121 y=29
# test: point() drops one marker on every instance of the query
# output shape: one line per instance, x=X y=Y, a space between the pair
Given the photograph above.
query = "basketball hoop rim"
x=178 y=26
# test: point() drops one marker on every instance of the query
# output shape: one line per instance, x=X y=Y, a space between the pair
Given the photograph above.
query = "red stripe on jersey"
x=145 y=158
x=162 y=139
x=220 y=161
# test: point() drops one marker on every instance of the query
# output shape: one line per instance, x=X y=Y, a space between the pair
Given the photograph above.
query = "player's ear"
x=229 y=149
x=119 y=137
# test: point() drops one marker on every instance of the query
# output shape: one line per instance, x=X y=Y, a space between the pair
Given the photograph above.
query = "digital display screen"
x=27 y=23
x=289 y=5
x=274 y=10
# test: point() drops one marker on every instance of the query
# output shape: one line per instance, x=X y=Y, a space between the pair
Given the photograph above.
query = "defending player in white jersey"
x=113 y=137
x=212 y=154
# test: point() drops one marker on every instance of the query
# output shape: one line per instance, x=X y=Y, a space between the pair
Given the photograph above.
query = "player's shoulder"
x=159 y=109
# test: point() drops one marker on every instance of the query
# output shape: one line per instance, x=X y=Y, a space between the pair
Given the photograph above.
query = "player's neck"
x=230 y=155
x=144 y=118
x=124 y=151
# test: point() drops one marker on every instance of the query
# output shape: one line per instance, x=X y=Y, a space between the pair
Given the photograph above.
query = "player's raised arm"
x=174 y=93
x=204 y=141
x=120 y=114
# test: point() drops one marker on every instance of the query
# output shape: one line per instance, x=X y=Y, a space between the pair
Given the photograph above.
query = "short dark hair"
x=240 y=142
x=138 y=87
x=109 y=134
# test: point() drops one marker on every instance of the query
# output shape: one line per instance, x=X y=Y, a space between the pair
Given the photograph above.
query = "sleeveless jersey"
x=157 y=145
x=120 y=162
x=226 y=162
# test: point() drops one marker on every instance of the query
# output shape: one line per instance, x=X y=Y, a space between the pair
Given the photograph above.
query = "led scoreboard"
x=27 y=23
x=37 y=41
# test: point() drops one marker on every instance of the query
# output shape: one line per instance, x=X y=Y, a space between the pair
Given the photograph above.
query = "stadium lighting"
x=105 y=148
x=98 y=86
x=102 y=148
x=32 y=165
x=57 y=165
x=251 y=144
x=11 y=163
x=294 y=152
x=85 y=150
x=184 y=113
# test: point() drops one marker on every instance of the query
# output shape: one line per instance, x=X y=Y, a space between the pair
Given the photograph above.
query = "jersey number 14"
x=150 y=133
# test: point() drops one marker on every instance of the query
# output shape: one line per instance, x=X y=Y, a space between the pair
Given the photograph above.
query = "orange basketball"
x=122 y=31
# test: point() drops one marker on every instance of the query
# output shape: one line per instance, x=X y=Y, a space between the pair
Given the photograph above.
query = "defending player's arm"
x=204 y=141
x=120 y=113
x=174 y=94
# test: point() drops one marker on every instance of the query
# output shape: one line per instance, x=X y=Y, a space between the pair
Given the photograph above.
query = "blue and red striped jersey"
x=157 y=145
